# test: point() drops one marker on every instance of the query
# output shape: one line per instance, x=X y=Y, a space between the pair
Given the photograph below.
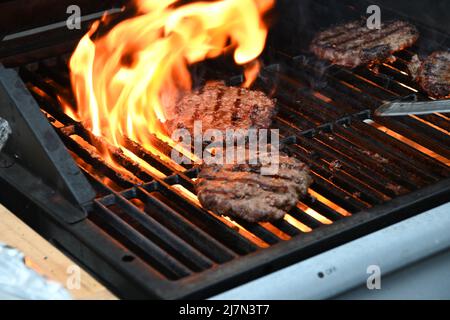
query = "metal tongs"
x=401 y=108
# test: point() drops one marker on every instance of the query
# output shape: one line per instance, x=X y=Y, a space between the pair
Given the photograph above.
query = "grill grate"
x=363 y=166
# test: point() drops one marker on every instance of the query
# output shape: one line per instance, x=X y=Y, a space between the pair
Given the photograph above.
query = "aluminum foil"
x=5 y=131
x=17 y=281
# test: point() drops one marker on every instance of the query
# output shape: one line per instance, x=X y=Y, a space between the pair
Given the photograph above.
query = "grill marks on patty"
x=221 y=107
x=353 y=44
x=219 y=102
x=234 y=111
x=240 y=190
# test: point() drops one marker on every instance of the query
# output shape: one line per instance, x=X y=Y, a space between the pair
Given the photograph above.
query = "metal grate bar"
x=392 y=145
x=304 y=218
x=184 y=228
x=163 y=237
x=206 y=221
x=149 y=251
x=405 y=173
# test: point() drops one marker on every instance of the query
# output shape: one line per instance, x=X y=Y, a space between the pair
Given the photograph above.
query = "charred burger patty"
x=354 y=44
x=433 y=74
x=240 y=190
x=221 y=107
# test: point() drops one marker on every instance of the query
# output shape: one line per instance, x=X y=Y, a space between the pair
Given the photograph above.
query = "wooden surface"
x=46 y=259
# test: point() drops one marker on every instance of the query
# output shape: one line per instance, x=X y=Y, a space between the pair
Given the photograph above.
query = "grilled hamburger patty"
x=240 y=190
x=221 y=107
x=353 y=44
x=433 y=74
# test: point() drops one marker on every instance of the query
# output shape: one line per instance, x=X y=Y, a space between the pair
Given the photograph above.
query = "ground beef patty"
x=354 y=44
x=221 y=107
x=433 y=74
x=240 y=190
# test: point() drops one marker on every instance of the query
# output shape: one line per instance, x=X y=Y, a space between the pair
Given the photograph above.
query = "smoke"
x=316 y=71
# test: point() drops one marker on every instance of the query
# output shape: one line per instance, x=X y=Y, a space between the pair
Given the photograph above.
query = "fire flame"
x=127 y=81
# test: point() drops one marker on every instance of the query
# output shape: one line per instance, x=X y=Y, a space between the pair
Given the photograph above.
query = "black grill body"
x=147 y=237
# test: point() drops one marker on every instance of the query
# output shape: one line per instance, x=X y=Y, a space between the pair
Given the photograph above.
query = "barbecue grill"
x=142 y=231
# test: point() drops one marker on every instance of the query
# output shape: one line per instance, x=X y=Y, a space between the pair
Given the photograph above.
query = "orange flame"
x=127 y=82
